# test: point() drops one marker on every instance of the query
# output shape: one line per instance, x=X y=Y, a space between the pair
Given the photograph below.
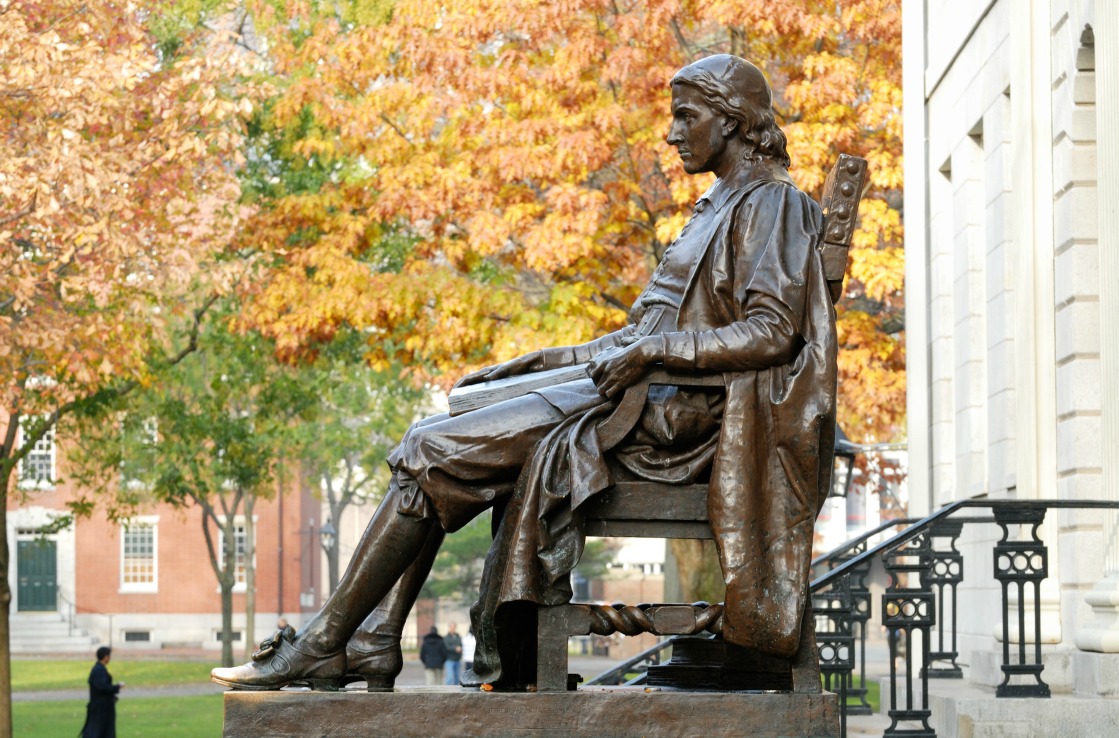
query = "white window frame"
x=147 y=521
x=239 y=585
x=45 y=484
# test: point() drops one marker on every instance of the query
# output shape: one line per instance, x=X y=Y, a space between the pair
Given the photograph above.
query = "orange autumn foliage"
x=117 y=195
x=116 y=186
x=516 y=148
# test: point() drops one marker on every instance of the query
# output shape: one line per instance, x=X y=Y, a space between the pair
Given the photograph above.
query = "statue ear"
x=729 y=126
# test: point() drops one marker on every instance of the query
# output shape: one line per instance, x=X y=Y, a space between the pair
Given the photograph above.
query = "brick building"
x=148 y=583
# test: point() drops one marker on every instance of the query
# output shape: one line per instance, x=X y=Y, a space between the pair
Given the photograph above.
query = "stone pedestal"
x=433 y=712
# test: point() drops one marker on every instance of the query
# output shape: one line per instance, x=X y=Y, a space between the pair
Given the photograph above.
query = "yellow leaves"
x=129 y=160
x=521 y=145
x=667 y=229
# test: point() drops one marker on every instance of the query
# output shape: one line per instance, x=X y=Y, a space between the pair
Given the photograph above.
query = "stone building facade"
x=1012 y=247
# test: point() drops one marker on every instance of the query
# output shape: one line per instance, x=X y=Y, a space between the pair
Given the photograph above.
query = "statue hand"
x=531 y=362
x=616 y=369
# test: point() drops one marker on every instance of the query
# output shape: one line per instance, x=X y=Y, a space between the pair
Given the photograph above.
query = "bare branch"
x=23 y=213
x=10 y=435
x=396 y=128
x=611 y=300
x=683 y=43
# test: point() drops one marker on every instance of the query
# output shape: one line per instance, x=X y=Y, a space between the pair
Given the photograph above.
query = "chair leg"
x=551 y=649
x=806 y=664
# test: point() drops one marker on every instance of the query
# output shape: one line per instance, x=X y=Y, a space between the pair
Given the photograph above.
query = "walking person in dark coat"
x=433 y=654
x=101 y=712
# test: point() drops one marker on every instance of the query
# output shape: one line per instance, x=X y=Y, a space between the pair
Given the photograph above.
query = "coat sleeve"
x=561 y=356
x=773 y=236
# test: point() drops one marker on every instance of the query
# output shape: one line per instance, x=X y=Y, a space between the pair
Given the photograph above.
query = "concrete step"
x=963 y=709
x=47 y=633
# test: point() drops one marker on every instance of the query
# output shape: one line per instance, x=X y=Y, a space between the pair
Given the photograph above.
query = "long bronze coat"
x=756 y=308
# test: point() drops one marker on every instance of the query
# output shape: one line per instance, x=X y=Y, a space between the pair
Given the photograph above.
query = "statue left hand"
x=614 y=370
x=532 y=362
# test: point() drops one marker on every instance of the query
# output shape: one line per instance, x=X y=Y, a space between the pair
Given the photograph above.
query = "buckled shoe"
x=374 y=658
x=279 y=663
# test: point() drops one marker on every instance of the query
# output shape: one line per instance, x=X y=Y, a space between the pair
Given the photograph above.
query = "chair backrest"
x=843 y=190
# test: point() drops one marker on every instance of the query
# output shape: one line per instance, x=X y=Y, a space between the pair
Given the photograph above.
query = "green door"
x=38 y=587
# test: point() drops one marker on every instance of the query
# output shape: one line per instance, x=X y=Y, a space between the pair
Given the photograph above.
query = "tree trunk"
x=228 y=578
x=250 y=577
x=332 y=554
x=8 y=462
x=697 y=564
x=5 y=610
x=226 y=622
x=332 y=568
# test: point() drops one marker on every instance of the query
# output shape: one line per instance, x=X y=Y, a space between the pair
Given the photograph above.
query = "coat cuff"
x=679 y=350
x=555 y=358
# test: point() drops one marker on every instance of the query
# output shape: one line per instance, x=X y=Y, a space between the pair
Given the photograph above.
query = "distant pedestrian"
x=101 y=712
x=469 y=643
x=433 y=654
x=453 y=641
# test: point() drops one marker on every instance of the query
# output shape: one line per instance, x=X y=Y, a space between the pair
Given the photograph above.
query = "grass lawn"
x=872 y=695
x=150 y=717
x=32 y=675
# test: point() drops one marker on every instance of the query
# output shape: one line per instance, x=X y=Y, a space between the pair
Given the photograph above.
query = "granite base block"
x=434 y=712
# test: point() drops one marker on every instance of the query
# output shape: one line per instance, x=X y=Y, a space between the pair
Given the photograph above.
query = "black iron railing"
x=638 y=666
x=854 y=620
x=924 y=568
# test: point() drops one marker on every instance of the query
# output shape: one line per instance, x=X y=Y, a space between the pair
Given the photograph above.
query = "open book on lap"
x=465 y=399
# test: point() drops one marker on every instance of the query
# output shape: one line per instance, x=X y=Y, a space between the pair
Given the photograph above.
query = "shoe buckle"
x=270 y=645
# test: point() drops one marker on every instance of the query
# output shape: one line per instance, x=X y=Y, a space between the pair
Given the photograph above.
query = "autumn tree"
x=354 y=418
x=116 y=187
x=496 y=175
x=207 y=433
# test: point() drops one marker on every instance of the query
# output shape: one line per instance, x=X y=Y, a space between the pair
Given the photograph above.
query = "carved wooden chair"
x=655 y=510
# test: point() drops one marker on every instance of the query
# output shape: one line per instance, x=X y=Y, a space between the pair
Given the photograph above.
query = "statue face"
x=698 y=132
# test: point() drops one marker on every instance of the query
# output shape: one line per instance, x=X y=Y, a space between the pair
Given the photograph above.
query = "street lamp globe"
x=844 y=464
x=327 y=535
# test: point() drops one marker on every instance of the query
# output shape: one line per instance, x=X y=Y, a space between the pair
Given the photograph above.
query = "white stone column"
x=916 y=260
x=1035 y=380
x=1102 y=632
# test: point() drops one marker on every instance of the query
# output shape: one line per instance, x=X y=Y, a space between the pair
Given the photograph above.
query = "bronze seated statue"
x=741 y=294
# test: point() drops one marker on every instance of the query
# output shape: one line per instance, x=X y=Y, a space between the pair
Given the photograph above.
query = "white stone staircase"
x=48 y=632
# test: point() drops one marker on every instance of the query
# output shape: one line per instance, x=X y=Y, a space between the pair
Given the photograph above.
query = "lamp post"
x=844 y=464
x=328 y=536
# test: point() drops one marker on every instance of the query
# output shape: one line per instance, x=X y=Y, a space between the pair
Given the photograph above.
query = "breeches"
x=455 y=468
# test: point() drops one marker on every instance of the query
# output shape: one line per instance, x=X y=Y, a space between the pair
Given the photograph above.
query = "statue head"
x=737 y=90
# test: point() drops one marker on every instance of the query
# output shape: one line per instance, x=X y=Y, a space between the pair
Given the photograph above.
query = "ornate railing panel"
x=1019 y=563
x=925 y=567
x=945 y=572
x=908 y=608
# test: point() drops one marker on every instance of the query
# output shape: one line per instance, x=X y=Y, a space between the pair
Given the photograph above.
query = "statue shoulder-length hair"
x=739 y=90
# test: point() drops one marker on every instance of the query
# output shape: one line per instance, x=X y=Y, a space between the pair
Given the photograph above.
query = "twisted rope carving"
x=632 y=620
x=710 y=618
